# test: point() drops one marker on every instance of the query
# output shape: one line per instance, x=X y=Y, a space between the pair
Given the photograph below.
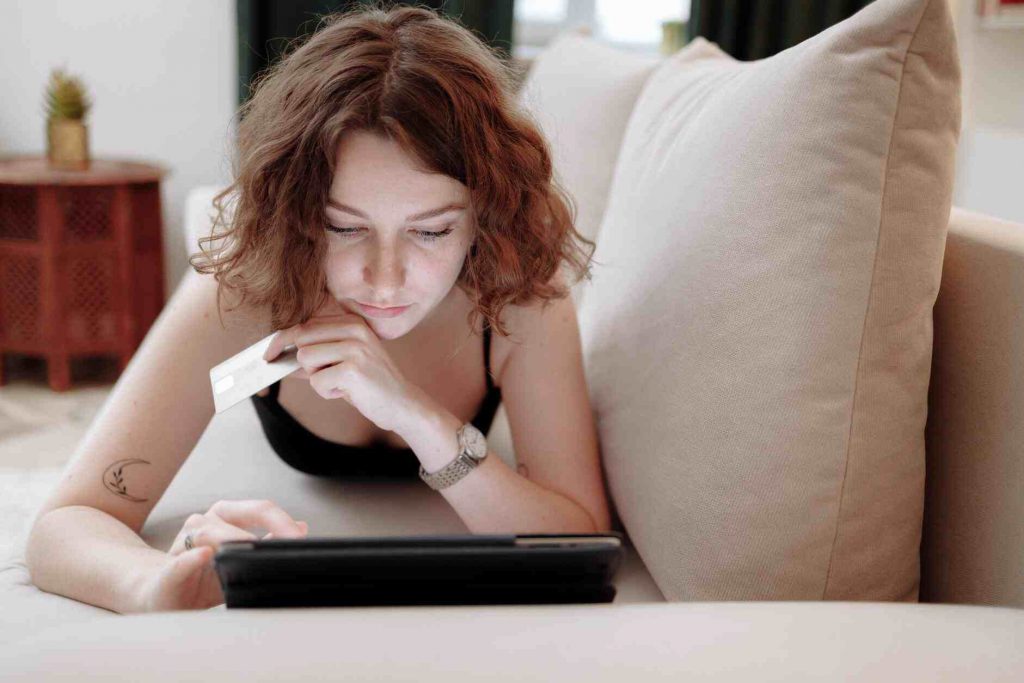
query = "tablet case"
x=467 y=569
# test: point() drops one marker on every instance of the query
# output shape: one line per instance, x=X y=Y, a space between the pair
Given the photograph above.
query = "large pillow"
x=758 y=333
x=581 y=92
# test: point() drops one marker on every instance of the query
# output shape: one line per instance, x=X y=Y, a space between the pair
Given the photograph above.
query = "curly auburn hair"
x=428 y=83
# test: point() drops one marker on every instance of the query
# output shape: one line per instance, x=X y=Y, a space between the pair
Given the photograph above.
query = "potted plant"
x=67 y=137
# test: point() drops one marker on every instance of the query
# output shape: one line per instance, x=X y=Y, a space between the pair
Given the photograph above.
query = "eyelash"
x=427 y=235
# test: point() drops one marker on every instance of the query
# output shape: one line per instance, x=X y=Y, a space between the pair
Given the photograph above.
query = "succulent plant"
x=65 y=97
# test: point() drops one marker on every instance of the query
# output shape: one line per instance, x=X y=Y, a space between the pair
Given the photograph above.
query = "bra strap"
x=487 y=356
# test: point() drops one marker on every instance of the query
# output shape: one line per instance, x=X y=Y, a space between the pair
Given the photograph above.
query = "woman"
x=382 y=165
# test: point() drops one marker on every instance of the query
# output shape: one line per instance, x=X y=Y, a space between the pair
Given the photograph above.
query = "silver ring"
x=188 y=542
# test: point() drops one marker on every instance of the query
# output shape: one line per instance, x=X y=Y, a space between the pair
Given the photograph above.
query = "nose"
x=384 y=272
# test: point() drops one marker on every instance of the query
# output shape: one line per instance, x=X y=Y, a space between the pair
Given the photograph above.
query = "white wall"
x=990 y=157
x=162 y=77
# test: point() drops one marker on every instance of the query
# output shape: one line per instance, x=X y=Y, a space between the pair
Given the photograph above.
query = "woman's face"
x=383 y=206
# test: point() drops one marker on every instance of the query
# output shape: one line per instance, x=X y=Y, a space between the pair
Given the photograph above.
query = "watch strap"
x=460 y=466
x=450 y=473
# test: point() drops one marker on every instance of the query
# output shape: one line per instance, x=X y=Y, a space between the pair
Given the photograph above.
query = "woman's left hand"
x=343 y=358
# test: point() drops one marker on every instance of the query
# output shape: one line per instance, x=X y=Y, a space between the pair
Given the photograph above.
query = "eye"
x=342 y=231
x=430 y=236
x=425 y=234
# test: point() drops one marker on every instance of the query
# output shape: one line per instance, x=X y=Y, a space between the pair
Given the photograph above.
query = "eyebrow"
x=415 y=217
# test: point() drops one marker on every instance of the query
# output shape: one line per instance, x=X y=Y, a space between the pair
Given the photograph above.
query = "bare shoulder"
x=217 y=321
x=533 y=325
x=200 y=290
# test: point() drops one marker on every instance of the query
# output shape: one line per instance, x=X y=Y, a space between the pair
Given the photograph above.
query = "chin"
x=388 y=329
x=385 y=333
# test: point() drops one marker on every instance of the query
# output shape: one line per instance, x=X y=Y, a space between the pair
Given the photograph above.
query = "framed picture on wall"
x=1001 y=13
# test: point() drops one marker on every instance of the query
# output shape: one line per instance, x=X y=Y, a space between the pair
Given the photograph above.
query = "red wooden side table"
x=81 y=260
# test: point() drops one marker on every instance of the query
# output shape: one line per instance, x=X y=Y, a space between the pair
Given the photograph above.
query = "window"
x=632 y=26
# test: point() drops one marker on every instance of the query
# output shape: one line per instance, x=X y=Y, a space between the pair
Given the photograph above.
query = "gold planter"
x=67 y=144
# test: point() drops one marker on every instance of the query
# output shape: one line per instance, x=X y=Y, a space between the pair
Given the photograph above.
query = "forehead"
x=367 y=163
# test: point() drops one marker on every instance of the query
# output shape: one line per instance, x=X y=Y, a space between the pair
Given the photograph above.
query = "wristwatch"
x=472 y=451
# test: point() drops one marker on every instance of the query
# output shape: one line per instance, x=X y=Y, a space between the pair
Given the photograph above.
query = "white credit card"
x=245 y=373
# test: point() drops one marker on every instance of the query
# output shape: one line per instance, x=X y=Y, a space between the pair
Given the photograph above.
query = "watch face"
x=475 y=442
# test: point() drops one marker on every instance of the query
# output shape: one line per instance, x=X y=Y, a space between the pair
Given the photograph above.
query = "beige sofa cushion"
x=758 y=337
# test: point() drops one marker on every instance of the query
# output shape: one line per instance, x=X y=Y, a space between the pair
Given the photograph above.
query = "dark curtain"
x=265 y=27
x=754 y=29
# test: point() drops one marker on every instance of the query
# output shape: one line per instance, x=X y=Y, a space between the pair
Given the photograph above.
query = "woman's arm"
x=545 y=396
x=492 y=498
x=88 y=555
x=84 y=542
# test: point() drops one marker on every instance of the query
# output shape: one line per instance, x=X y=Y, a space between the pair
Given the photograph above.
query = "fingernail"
x=268 y=535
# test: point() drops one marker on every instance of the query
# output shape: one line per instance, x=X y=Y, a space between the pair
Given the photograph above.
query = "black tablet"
x=463 y=569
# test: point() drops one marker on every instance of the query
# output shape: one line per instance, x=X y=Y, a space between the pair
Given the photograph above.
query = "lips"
x=376 y=312
x=381 y=308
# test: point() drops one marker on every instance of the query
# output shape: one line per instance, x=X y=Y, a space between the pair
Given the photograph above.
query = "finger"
x=198 y=556
x=217 y=532
x=347 y=317
x=212 y=534
x=262 y=514
x=281 y=342
x=271 y=351
x=322 y=354
x=333 y=381
x=324 y=330
x=193 y=529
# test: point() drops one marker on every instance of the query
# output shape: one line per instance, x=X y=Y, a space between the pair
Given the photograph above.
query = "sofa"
x=752 y=607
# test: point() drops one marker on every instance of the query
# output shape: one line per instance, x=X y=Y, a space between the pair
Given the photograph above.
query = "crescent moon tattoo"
x=114 y=481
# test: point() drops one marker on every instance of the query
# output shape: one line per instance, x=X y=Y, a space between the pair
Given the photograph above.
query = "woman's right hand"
x=188 y=580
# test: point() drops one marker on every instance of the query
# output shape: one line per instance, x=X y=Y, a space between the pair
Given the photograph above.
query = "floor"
x=39 y=430
x=40 y=427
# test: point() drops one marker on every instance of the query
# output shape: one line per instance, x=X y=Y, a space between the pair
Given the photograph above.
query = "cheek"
x=428 y=268
x=437 y=271
x=339 y=267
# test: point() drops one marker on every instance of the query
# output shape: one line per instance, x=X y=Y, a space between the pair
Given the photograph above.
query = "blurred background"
x=163 y=79
x=165 y=76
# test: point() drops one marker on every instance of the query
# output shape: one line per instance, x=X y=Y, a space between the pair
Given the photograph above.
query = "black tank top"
x=309 y=453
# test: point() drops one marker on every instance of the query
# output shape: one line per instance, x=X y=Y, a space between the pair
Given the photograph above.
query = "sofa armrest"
x=972 y=547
